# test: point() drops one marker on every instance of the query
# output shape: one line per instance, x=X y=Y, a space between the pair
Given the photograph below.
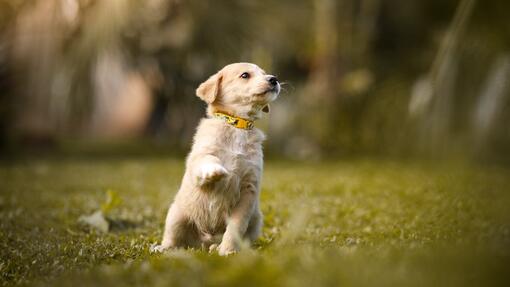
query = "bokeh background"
x=398 y=78
x=387 y=156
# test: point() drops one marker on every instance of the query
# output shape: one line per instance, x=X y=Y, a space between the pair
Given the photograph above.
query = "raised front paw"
x=210 y=173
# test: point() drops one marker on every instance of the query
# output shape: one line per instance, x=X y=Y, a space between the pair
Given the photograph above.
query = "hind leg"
x=179 y=231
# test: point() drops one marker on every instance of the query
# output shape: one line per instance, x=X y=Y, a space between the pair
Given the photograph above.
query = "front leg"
x=238 y=221
x=207 y=169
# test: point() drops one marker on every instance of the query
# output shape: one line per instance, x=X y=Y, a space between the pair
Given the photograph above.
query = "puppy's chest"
x=242 y=151
x=239 y=146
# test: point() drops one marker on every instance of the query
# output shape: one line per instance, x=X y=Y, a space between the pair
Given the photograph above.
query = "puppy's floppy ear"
x=265 y=109
x=210 y=89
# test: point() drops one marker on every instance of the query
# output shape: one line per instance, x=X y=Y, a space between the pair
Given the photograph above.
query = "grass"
x=360 y=222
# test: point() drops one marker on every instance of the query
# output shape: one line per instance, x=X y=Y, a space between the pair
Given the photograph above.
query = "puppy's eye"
x=245 y=75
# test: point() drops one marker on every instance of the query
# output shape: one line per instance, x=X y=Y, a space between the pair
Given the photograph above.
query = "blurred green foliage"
x=391 y=77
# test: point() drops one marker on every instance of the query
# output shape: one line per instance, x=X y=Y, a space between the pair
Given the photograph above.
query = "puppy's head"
x=240 y=89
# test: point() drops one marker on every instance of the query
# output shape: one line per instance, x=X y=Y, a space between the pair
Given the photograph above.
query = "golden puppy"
x=219 y=193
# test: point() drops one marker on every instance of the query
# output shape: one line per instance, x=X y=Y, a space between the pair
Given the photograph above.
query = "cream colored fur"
x=218 y=201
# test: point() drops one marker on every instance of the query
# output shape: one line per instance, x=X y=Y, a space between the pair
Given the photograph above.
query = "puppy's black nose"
x=273 y=81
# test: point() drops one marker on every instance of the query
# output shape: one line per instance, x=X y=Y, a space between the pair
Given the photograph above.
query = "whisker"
x=284 y=88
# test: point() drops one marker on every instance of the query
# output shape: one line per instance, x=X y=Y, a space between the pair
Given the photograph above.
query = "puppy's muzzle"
x=273 y=84
x=273 y=81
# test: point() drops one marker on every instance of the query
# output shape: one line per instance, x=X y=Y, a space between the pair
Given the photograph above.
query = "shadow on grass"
x=120 y=225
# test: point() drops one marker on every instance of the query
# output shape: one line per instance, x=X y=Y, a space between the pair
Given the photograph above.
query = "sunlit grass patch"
x=347 y=223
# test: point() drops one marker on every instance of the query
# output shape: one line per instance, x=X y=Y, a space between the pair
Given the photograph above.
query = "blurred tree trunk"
x=366 y=28
x=325 y=57
x=319 y=96
x=36 y=42
x=339 y=79
x=487 y=120
x=437 y=114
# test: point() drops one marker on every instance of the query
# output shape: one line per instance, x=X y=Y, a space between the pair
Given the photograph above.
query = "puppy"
x=218 y=201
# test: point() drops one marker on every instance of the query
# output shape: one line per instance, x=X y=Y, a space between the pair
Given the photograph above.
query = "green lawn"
x=351 y=223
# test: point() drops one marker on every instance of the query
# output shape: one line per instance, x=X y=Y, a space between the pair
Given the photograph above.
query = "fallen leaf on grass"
x=112 y=200
x=96 y=220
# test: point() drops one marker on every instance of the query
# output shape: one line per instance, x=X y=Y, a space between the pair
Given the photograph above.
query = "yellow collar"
x=237 y=122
